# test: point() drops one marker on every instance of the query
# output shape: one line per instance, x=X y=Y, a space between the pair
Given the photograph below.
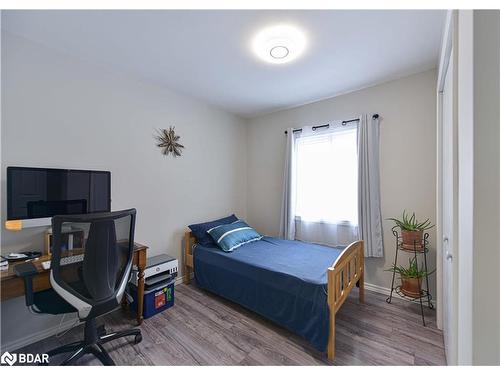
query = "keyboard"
x=64 y=261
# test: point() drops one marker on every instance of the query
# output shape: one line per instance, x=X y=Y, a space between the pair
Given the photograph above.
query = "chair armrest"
x=26 y=271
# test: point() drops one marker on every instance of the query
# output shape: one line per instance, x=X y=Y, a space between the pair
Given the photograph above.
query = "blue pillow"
x=200 y=230
x=231 y=236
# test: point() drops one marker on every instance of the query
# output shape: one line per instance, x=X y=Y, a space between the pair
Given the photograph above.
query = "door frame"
x=448 y=57
x=457 y=44
x=465 y=114
x=444 y=60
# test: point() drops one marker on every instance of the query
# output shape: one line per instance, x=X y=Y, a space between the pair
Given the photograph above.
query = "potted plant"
x=411 y=278
x=412 y=230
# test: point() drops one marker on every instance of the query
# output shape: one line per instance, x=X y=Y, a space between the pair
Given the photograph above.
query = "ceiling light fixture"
x=279 y=44
x=279 y=52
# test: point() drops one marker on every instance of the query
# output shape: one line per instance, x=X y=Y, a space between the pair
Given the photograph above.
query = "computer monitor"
x=44 y=192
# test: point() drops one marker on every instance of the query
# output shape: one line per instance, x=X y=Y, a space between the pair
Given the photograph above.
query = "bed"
x=297 y=285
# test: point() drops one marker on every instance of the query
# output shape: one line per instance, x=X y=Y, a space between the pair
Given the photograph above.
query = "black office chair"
x=90 y=281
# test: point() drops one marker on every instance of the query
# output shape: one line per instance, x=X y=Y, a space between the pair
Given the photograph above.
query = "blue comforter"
x=284 y=281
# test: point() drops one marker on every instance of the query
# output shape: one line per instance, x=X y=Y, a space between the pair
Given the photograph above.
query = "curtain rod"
x=344 y=123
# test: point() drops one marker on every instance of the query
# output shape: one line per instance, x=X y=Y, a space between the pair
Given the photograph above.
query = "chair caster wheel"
x=138 y=338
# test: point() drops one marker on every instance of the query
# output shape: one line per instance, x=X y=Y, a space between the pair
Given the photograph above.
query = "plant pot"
x=412 y=239
x=411 y=287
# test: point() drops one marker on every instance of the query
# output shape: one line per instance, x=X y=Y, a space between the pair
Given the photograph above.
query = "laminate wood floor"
x=203 y=329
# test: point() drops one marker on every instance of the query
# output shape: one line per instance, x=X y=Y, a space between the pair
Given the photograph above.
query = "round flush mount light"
x=279 y=44
x=279 y=52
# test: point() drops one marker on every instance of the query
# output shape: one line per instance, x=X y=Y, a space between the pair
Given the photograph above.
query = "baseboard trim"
x=377 y=289
x=51 y=331
x=387 y=292
x=182 y=279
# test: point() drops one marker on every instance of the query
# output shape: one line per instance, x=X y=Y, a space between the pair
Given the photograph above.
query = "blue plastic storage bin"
x=156 y=298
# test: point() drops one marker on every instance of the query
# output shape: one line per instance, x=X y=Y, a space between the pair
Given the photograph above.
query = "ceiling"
x=207 y=54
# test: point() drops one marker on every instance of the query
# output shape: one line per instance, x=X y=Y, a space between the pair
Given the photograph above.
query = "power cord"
x=61 y=334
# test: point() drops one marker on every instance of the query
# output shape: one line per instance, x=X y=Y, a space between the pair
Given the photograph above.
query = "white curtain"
x=320 y=186
x=325 y=233
x=287 y=220
x=331 y=186
x=370 y=218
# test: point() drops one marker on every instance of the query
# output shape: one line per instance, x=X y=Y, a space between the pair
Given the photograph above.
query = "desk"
x=13 y=286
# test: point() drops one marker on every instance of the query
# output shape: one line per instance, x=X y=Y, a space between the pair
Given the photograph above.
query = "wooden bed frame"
x=345 y=272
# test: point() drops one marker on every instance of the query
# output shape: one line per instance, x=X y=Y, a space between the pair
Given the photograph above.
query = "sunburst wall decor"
x=168 y=142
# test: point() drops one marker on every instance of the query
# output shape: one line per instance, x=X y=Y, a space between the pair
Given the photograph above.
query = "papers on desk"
x=4 y=265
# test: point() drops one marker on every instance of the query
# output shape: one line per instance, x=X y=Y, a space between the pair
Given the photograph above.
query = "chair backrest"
x=92 y=258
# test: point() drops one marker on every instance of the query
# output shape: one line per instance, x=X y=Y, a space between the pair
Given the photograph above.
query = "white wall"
x=407 y=108
x=486 y=289
x=61 y=112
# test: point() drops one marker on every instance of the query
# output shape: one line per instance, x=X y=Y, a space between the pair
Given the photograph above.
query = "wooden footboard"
x=348 y=269
x=343 y=275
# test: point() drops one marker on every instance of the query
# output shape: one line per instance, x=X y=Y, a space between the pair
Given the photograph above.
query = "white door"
x=448 y=200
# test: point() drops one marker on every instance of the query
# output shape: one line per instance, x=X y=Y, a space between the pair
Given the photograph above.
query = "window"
x=326 y=177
